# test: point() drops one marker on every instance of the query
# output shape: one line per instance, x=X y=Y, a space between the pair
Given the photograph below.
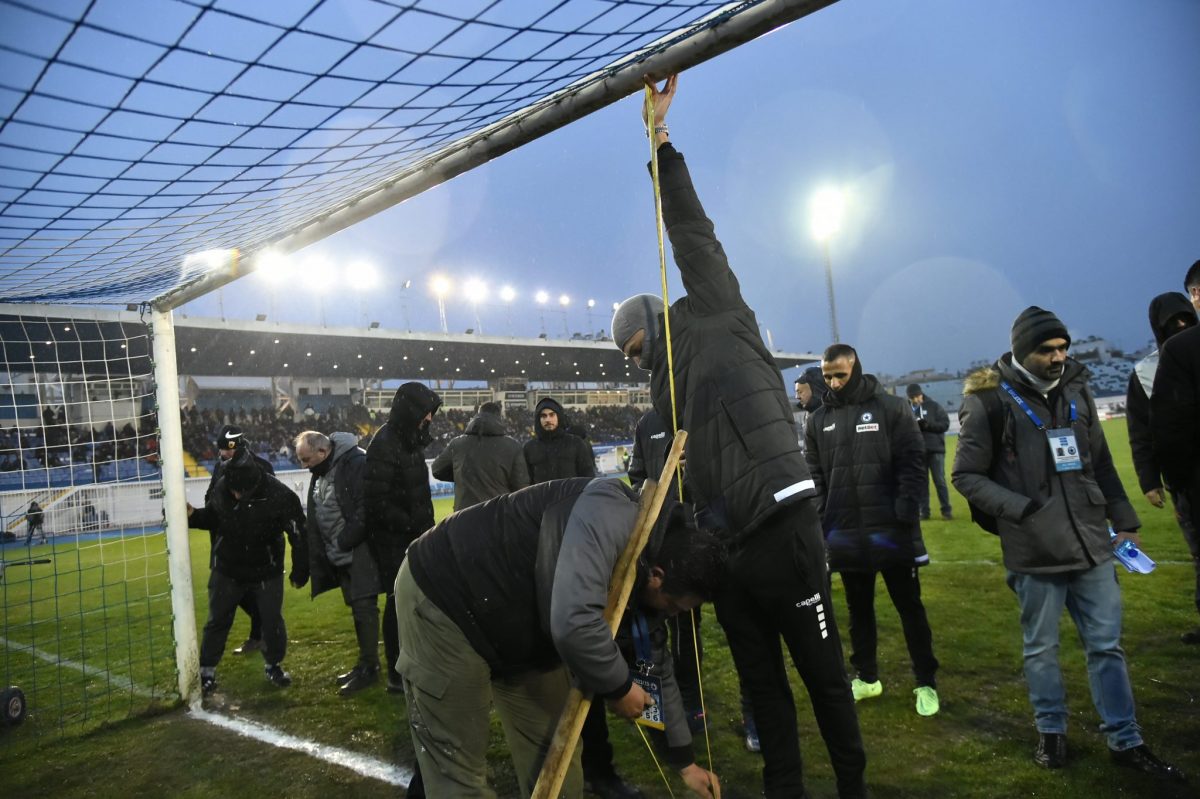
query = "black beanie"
x=914 y=390
x=1031 y=328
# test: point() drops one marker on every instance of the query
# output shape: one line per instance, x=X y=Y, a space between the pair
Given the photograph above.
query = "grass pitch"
x=980 y=745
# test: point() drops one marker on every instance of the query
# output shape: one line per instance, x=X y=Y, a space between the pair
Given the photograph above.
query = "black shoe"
x=278 y=676
x=612 y=788
x=947 y=516
x=1191 y=636
x=346 y=677
x=1051 y=750
x=367 y=675
x=248 y=646
x=395 y=683
x=1142 y=759
x=208 y=683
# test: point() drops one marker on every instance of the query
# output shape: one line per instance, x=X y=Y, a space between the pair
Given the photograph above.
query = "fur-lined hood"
x=982 y=379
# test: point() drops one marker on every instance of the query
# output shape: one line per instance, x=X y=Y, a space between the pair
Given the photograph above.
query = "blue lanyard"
x=1023 y=405
x=641 y=643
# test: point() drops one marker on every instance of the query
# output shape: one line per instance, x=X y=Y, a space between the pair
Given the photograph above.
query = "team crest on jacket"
x=865 y=425
x=866 y=417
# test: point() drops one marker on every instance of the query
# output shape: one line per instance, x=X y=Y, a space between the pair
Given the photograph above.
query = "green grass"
x=978 y=746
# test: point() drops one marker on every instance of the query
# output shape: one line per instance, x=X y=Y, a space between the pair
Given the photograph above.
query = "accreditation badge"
x=652 y=716
x=1064 y=450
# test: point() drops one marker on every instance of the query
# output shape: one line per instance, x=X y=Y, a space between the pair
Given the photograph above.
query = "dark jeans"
x=778 y=586
x=224 y=594
x=904 y=586
x=935 y=464
x=365 y=612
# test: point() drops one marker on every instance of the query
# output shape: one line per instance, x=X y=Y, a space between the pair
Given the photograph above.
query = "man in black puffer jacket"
x=554 y=453
x=866 y=454
x=747 y=475
x=230 y=441
x=399 y=506
x=1170 y=313
x=249 y=512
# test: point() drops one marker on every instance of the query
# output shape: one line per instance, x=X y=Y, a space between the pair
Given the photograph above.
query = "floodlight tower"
x=476 y=292
x=564 y=301
x=440 y=285
x=826 y=211
x=508 y=294
x=363 y=279
x=542 y=298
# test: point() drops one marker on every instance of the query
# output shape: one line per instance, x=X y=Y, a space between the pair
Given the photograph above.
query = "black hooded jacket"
x=867 y=457
x=247 y=533
x=1175 y=415
x=399 y=504
x=743 y=459
x=556 y=454
x=813 y=378
x=1164 y=310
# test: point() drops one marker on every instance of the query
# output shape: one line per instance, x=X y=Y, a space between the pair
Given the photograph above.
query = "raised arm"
x=710 y=285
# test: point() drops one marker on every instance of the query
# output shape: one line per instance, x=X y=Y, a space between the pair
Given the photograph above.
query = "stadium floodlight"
x=564 y=300
x=508 y=294
x=542 y=297
x=441 y=285
x=362 y=276
x=476 y=292
x=591 y=303
x=827 y=209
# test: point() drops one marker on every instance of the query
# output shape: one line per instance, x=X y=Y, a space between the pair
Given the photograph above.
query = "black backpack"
x=994 y=407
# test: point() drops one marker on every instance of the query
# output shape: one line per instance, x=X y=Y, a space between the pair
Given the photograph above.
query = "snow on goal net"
x=85 y=609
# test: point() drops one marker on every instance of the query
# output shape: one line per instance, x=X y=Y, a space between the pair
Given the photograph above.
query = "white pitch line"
x=88 y=671
x=361 y=764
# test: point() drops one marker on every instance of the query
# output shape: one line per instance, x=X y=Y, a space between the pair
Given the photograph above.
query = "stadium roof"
x=263 y=349
x=151 y=151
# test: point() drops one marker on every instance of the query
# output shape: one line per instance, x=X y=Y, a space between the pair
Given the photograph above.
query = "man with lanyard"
x=1032 y=455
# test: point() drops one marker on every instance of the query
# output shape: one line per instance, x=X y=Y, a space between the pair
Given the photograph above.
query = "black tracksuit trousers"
x=777 y=588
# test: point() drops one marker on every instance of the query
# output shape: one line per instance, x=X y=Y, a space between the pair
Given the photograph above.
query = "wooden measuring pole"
x=570 y=723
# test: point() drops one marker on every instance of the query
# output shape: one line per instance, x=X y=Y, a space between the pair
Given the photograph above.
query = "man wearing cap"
x=230 y=441
x=747 y=475
x=249 y=512
x=934 y=422
x=1032 y=455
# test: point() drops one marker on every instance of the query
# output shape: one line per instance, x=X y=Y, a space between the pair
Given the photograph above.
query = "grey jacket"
x=1048 y=521
x=482 y=463
x=336 y=527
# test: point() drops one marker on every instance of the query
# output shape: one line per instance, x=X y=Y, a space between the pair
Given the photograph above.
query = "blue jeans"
x=1093 y=598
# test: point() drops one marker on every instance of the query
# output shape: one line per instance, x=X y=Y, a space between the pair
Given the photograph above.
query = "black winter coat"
x=936 y=423
x=743 y=460
x=1175 y=414
x=247 y=534
x=868 y=460
x=1048 y=521
x=219 y=469
x=399 y=504
x=651 y=442
x=557 y=454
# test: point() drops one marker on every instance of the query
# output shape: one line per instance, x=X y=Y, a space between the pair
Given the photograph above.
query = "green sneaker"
x=927 y=700
x=865 y=690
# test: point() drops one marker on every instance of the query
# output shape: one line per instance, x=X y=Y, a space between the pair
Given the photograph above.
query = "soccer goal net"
x=85 y=603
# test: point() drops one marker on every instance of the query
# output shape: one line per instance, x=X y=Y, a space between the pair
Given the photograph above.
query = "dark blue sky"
x=998 y=155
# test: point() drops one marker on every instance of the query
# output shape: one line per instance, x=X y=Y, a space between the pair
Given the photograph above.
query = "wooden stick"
x=570 y=723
